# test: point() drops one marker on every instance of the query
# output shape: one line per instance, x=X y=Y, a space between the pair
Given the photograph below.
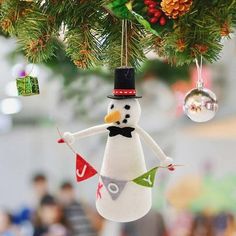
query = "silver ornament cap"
x=200 y=105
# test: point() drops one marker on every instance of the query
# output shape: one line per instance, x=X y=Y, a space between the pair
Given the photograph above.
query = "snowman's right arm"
x=165 y=160
x=70 y=137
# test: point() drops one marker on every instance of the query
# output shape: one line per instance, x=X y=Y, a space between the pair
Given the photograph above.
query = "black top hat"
x=124 y=84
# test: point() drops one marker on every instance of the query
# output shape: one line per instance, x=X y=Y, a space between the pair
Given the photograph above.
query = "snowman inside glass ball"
x=200 y=105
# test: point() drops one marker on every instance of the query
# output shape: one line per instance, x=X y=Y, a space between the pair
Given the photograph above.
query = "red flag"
x=83 y=169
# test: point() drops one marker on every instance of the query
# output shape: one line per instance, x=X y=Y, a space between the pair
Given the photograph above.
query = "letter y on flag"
x=147 y=179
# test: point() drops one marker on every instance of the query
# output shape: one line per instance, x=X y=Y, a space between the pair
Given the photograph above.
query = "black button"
x=125 y=121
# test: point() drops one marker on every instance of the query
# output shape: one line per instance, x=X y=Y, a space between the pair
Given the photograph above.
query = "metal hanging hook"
x=200 y=82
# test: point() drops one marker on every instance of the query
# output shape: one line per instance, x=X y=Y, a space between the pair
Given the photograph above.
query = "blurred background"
x=38 y=191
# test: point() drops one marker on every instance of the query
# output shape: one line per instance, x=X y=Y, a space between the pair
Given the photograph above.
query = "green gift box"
x=27 y=86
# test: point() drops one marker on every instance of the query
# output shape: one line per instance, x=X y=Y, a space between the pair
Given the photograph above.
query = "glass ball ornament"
x=200 y=104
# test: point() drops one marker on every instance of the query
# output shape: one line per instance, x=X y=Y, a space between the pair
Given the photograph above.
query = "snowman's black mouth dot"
x=127 y=116
x=125 y=121
x=118 y=122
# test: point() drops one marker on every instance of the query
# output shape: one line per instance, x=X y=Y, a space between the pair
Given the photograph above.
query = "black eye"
x=112 y=106
x=127 y=107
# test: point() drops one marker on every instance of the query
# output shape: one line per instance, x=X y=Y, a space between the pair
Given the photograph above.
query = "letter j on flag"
x=83 y=169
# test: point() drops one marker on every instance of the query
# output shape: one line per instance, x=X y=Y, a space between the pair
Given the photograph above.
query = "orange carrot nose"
x=112 y=117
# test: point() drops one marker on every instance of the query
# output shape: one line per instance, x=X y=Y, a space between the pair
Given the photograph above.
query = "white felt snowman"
x=118 y=198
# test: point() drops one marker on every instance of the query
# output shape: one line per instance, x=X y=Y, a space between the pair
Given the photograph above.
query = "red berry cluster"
x=155 y=13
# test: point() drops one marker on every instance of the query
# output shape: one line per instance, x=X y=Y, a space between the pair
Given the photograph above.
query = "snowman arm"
x=70 y=137
x=165 y=161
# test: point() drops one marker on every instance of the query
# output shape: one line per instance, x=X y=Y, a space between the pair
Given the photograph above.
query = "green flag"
x=147 y=179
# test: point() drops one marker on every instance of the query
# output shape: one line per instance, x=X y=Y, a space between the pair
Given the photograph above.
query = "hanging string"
x=31 y=69
x=131 y=180
x=124 y=43
x=200 y=82
x=69 y=146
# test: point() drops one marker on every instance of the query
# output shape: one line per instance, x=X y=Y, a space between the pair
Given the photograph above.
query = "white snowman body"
x=123 y=161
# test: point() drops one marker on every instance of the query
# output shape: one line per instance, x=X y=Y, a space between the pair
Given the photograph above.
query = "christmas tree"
x=90 y=30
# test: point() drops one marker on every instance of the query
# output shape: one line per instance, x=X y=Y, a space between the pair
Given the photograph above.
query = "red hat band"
x=122 y=92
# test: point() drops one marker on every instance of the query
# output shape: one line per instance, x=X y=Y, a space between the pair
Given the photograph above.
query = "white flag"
x=113 y=186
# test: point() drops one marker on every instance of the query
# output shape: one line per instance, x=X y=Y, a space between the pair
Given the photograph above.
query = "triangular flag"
x=83 y=169
x=113 y=186
x=147 y=179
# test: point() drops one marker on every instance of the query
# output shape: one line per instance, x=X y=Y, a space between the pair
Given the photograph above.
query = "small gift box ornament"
x=27 y=85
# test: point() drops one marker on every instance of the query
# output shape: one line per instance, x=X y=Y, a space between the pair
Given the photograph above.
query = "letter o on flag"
x=113 y=188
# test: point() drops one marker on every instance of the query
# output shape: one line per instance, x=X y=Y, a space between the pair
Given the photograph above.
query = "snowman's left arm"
x=165 y=161
x=70 y=137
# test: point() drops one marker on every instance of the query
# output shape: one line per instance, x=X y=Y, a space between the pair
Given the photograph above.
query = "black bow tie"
x=126 y=131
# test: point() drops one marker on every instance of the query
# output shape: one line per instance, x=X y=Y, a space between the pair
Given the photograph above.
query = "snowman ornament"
x=118 y=198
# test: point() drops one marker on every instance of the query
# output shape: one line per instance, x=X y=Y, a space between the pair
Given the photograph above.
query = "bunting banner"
x=83 y=169
x=113 y=186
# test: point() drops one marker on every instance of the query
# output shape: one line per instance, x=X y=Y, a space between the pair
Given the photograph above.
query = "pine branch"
x=93 y=30
x=83 y=47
